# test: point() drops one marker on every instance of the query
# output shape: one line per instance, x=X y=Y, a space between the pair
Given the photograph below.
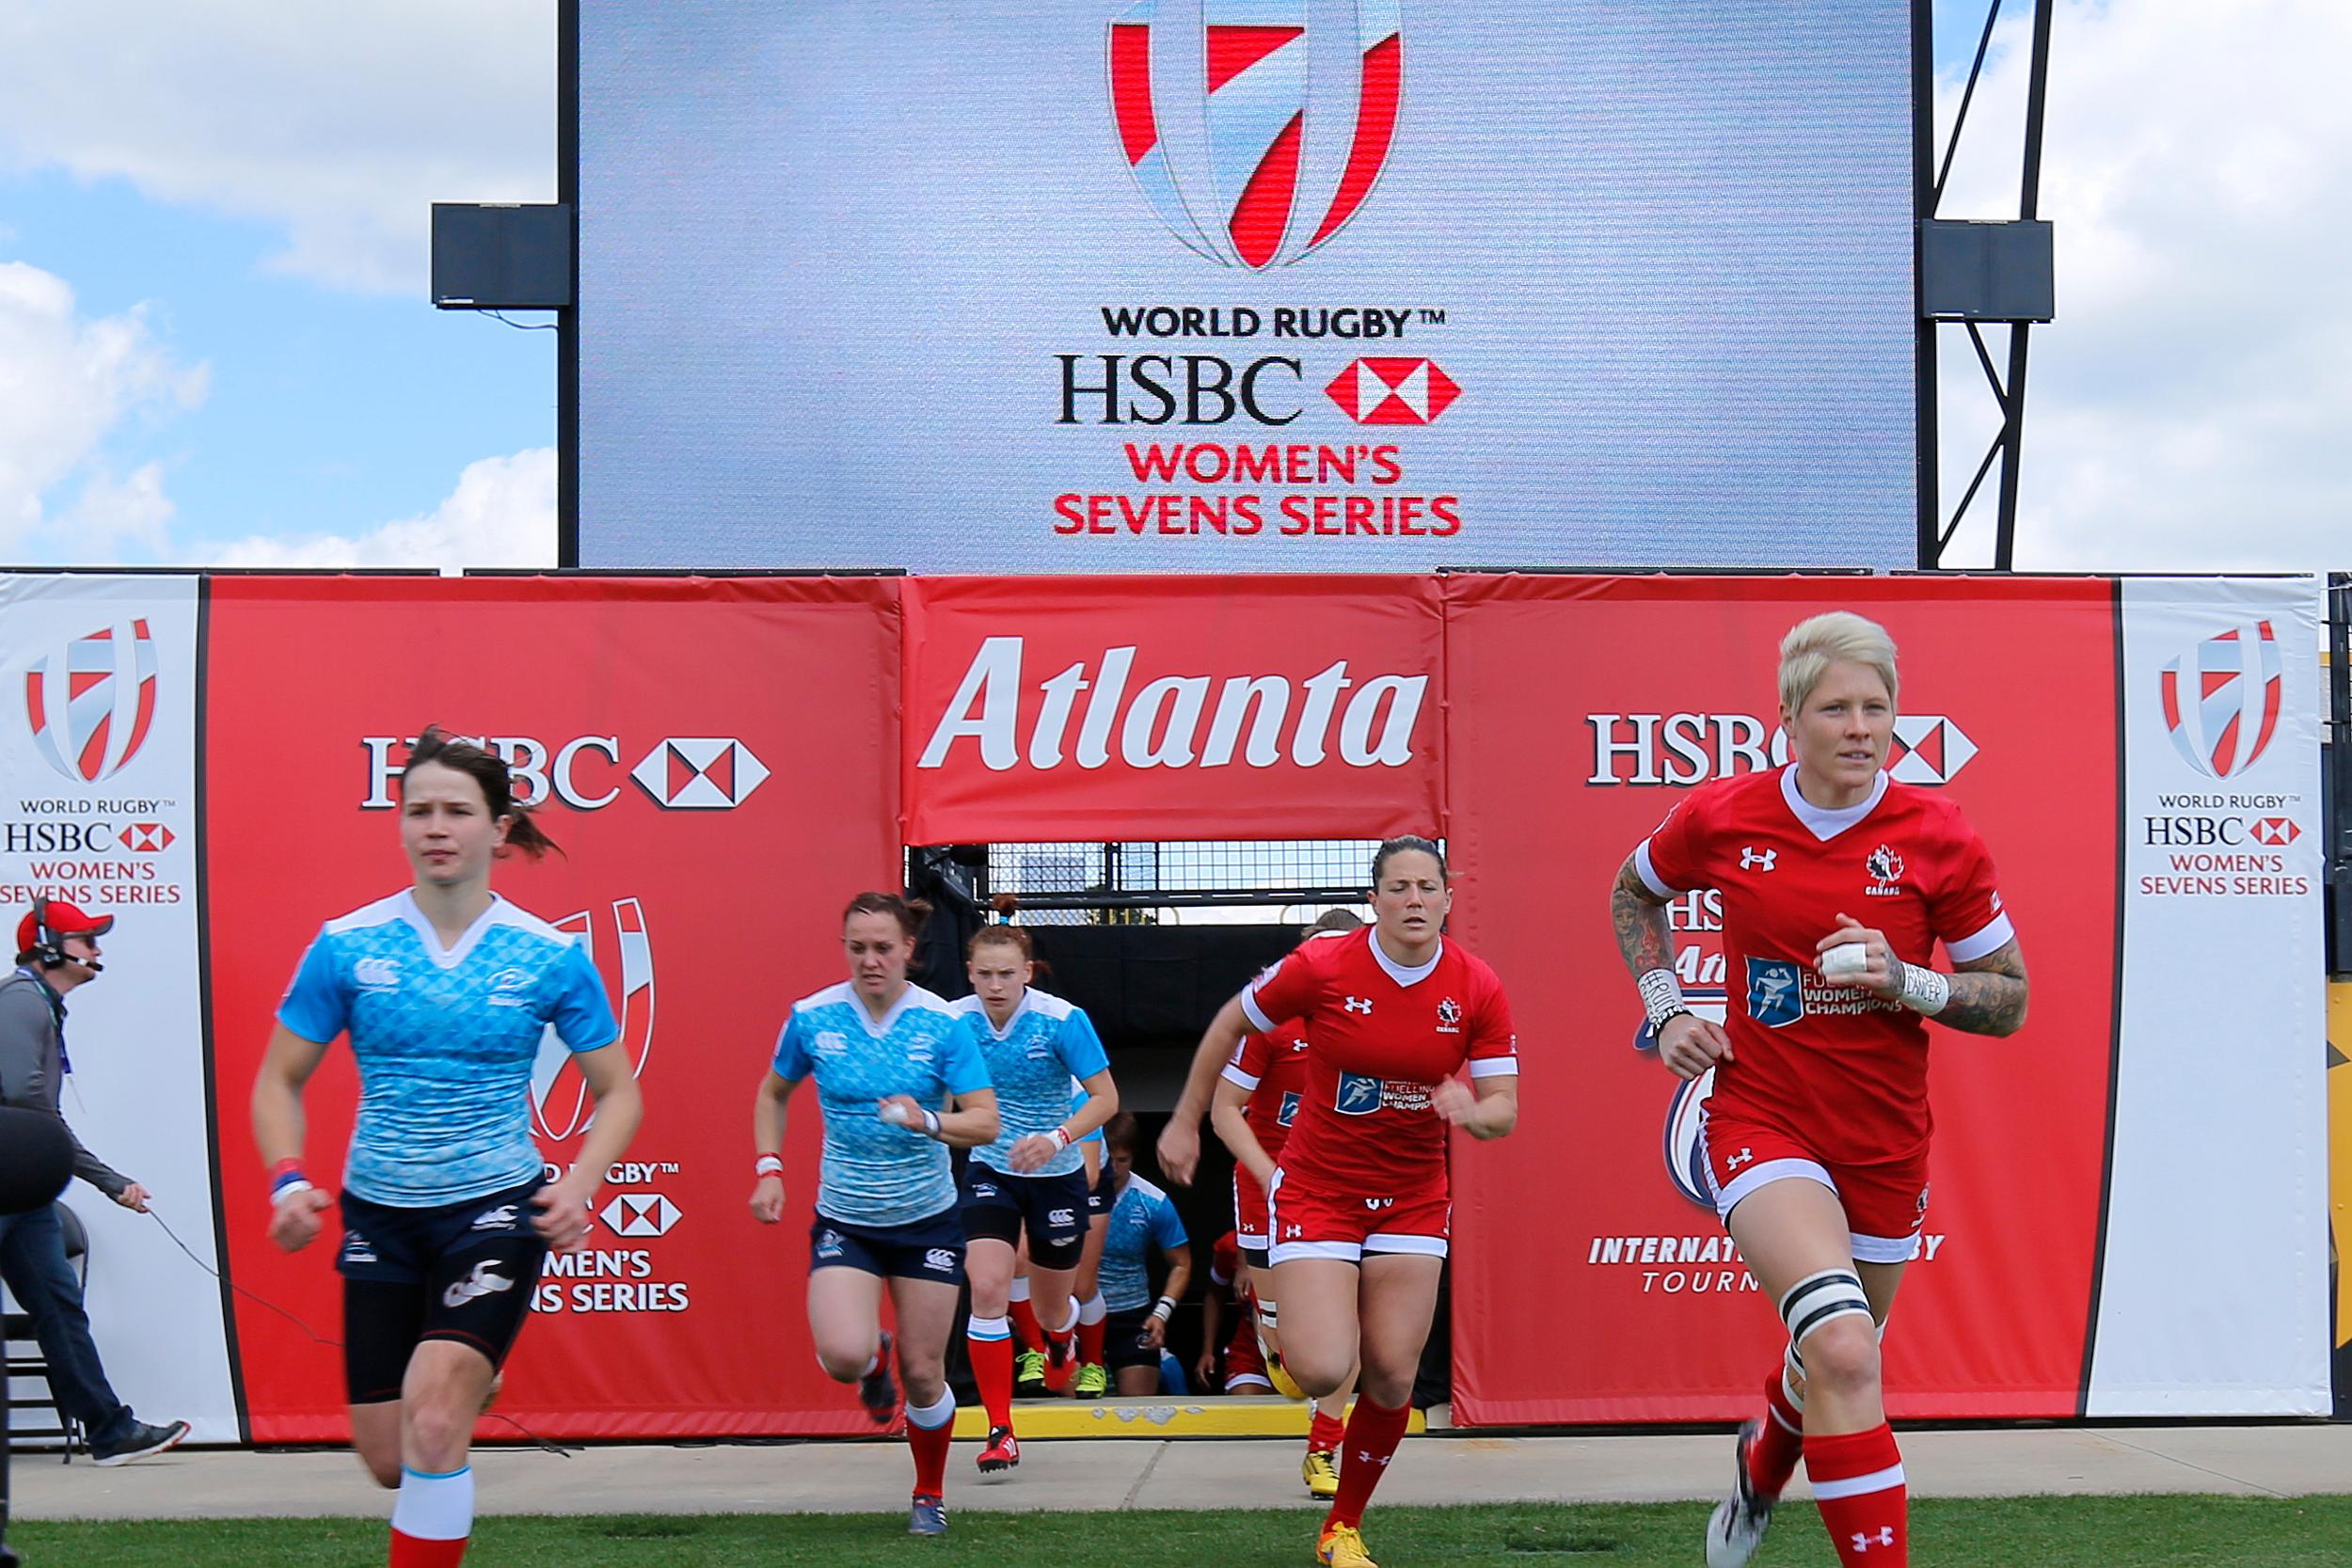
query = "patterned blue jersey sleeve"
x=1168 y=1226
x=965 y=1069
x=582 y=1016
x=1081 y=1050
x=316 y=1006
x=793 y=1062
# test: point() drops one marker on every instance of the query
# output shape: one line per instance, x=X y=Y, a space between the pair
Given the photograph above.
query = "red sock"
x=1366 y=1446
x=1772 y=1457
x=1025 y=1324
x=1325 y=1432
x=1857 y=1482
x=1090 y=1341
x=410 y=1551
x=930 y=1447
x=992 y=1369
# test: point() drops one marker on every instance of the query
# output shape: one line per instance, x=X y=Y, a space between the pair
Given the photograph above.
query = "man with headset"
x=57 y=950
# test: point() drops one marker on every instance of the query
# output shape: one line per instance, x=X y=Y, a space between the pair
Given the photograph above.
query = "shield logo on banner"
x=1686 y=1113
x=2221 y=700
x=559 y=1107
x=1256 y=204
x=91 y=704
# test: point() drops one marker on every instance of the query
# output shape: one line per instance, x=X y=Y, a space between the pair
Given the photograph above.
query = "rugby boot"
x=878 y=1391
x=1092 y=1382
x=1342 y=1546
x=929 y=1516
x=1321 y=1472
x=1028 y=1375
x=1737 y=1527
x=1003 y=1451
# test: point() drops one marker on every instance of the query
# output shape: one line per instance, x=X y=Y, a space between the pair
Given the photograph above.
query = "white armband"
x=1661 y=995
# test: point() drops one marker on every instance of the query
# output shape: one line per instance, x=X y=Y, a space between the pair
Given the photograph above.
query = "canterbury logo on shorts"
x=484 y=1282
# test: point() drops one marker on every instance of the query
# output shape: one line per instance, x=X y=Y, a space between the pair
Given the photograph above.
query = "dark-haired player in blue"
x=1031 y=1177
x=445 y=991
x=898 y=1078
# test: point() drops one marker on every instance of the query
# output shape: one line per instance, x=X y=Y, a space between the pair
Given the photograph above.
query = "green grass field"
x=2015 y=1532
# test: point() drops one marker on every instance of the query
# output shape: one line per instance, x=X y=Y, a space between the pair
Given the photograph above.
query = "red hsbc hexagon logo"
x=1394 y=390
x=147 y=838
x=2277 y=831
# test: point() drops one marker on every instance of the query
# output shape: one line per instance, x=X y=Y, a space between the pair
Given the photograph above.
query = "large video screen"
x=1244 y=285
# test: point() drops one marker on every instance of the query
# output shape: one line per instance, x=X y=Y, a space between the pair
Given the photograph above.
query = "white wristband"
x=1924 y=990
x=930 y=1124
x=1163 y=1308
x=767 y=1164
x=1060 y=1136
x=283 y=1194
x=1662 y=994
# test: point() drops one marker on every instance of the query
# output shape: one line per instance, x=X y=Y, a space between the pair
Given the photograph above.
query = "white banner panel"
x=2214 y=1294
x=1024 y=286
x=97 y=808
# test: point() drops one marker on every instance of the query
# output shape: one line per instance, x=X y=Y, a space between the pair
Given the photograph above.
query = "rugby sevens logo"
x=91 y=704
x=2221 y=700
x=554 y=1111
x=1250 y=208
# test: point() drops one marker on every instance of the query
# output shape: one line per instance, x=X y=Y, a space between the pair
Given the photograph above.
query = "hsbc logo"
x=91 y=704
x=1181 y=720
x=2277 y=831
x=680 y=773
x=147 y=838
x=1682 y=749
x=1393 y=391
x=1252 y=78
x=639 y=1215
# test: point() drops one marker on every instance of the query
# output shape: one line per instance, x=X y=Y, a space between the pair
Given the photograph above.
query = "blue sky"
x=216 y=344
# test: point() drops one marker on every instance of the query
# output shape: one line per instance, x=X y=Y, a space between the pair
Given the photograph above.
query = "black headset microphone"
x=48 y=947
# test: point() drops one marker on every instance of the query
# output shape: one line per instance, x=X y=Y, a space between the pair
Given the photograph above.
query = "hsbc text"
x=1153 y=389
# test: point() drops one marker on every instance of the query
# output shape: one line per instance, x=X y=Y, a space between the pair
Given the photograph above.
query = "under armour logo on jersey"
x=486 y=1280
x=1291 y=1232
x=1752 y=858
x=1357 y=1005
x=1743 y=1157
x=375 y=973
x=1863 y=1542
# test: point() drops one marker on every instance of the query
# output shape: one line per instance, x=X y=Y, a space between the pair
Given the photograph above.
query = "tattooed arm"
x=1988 y=994
x=1689 y=1045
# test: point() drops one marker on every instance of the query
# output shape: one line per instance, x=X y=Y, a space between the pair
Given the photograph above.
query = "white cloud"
x=2186 y=410
x=502 y=514
x=69 y=384
x=342 y=123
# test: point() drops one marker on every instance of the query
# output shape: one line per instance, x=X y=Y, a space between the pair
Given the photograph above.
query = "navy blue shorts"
x=463 y=1272
x=929 y=1249
x=1052 y=1209
x=1098 y=1196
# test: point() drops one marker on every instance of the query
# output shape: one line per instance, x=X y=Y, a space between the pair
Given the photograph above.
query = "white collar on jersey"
x=1399 y=973
x=1018 y=1008
x=414 y=913
x=1825 y=824
x=880 y=1027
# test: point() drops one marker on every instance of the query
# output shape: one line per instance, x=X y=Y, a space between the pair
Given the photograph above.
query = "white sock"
x=932 y=1417
x=1020 y=1291
x=435 y=1507
x=1068 y=1321
x=1092 y=1311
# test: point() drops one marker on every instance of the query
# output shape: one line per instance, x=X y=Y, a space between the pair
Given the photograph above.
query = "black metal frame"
x=2008 y=395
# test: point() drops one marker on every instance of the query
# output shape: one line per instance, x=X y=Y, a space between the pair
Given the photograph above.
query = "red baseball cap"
x=64 y=921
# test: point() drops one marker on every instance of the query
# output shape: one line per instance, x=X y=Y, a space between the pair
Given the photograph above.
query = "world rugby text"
x=1304 y=507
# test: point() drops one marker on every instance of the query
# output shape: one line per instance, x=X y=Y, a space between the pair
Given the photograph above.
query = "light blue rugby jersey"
x=1143 y=1220
x=1044 y=1045
x=872 y=1173
x=445 y=1041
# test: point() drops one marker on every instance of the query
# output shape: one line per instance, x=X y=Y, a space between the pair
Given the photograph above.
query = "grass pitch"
x=2042 y=1533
